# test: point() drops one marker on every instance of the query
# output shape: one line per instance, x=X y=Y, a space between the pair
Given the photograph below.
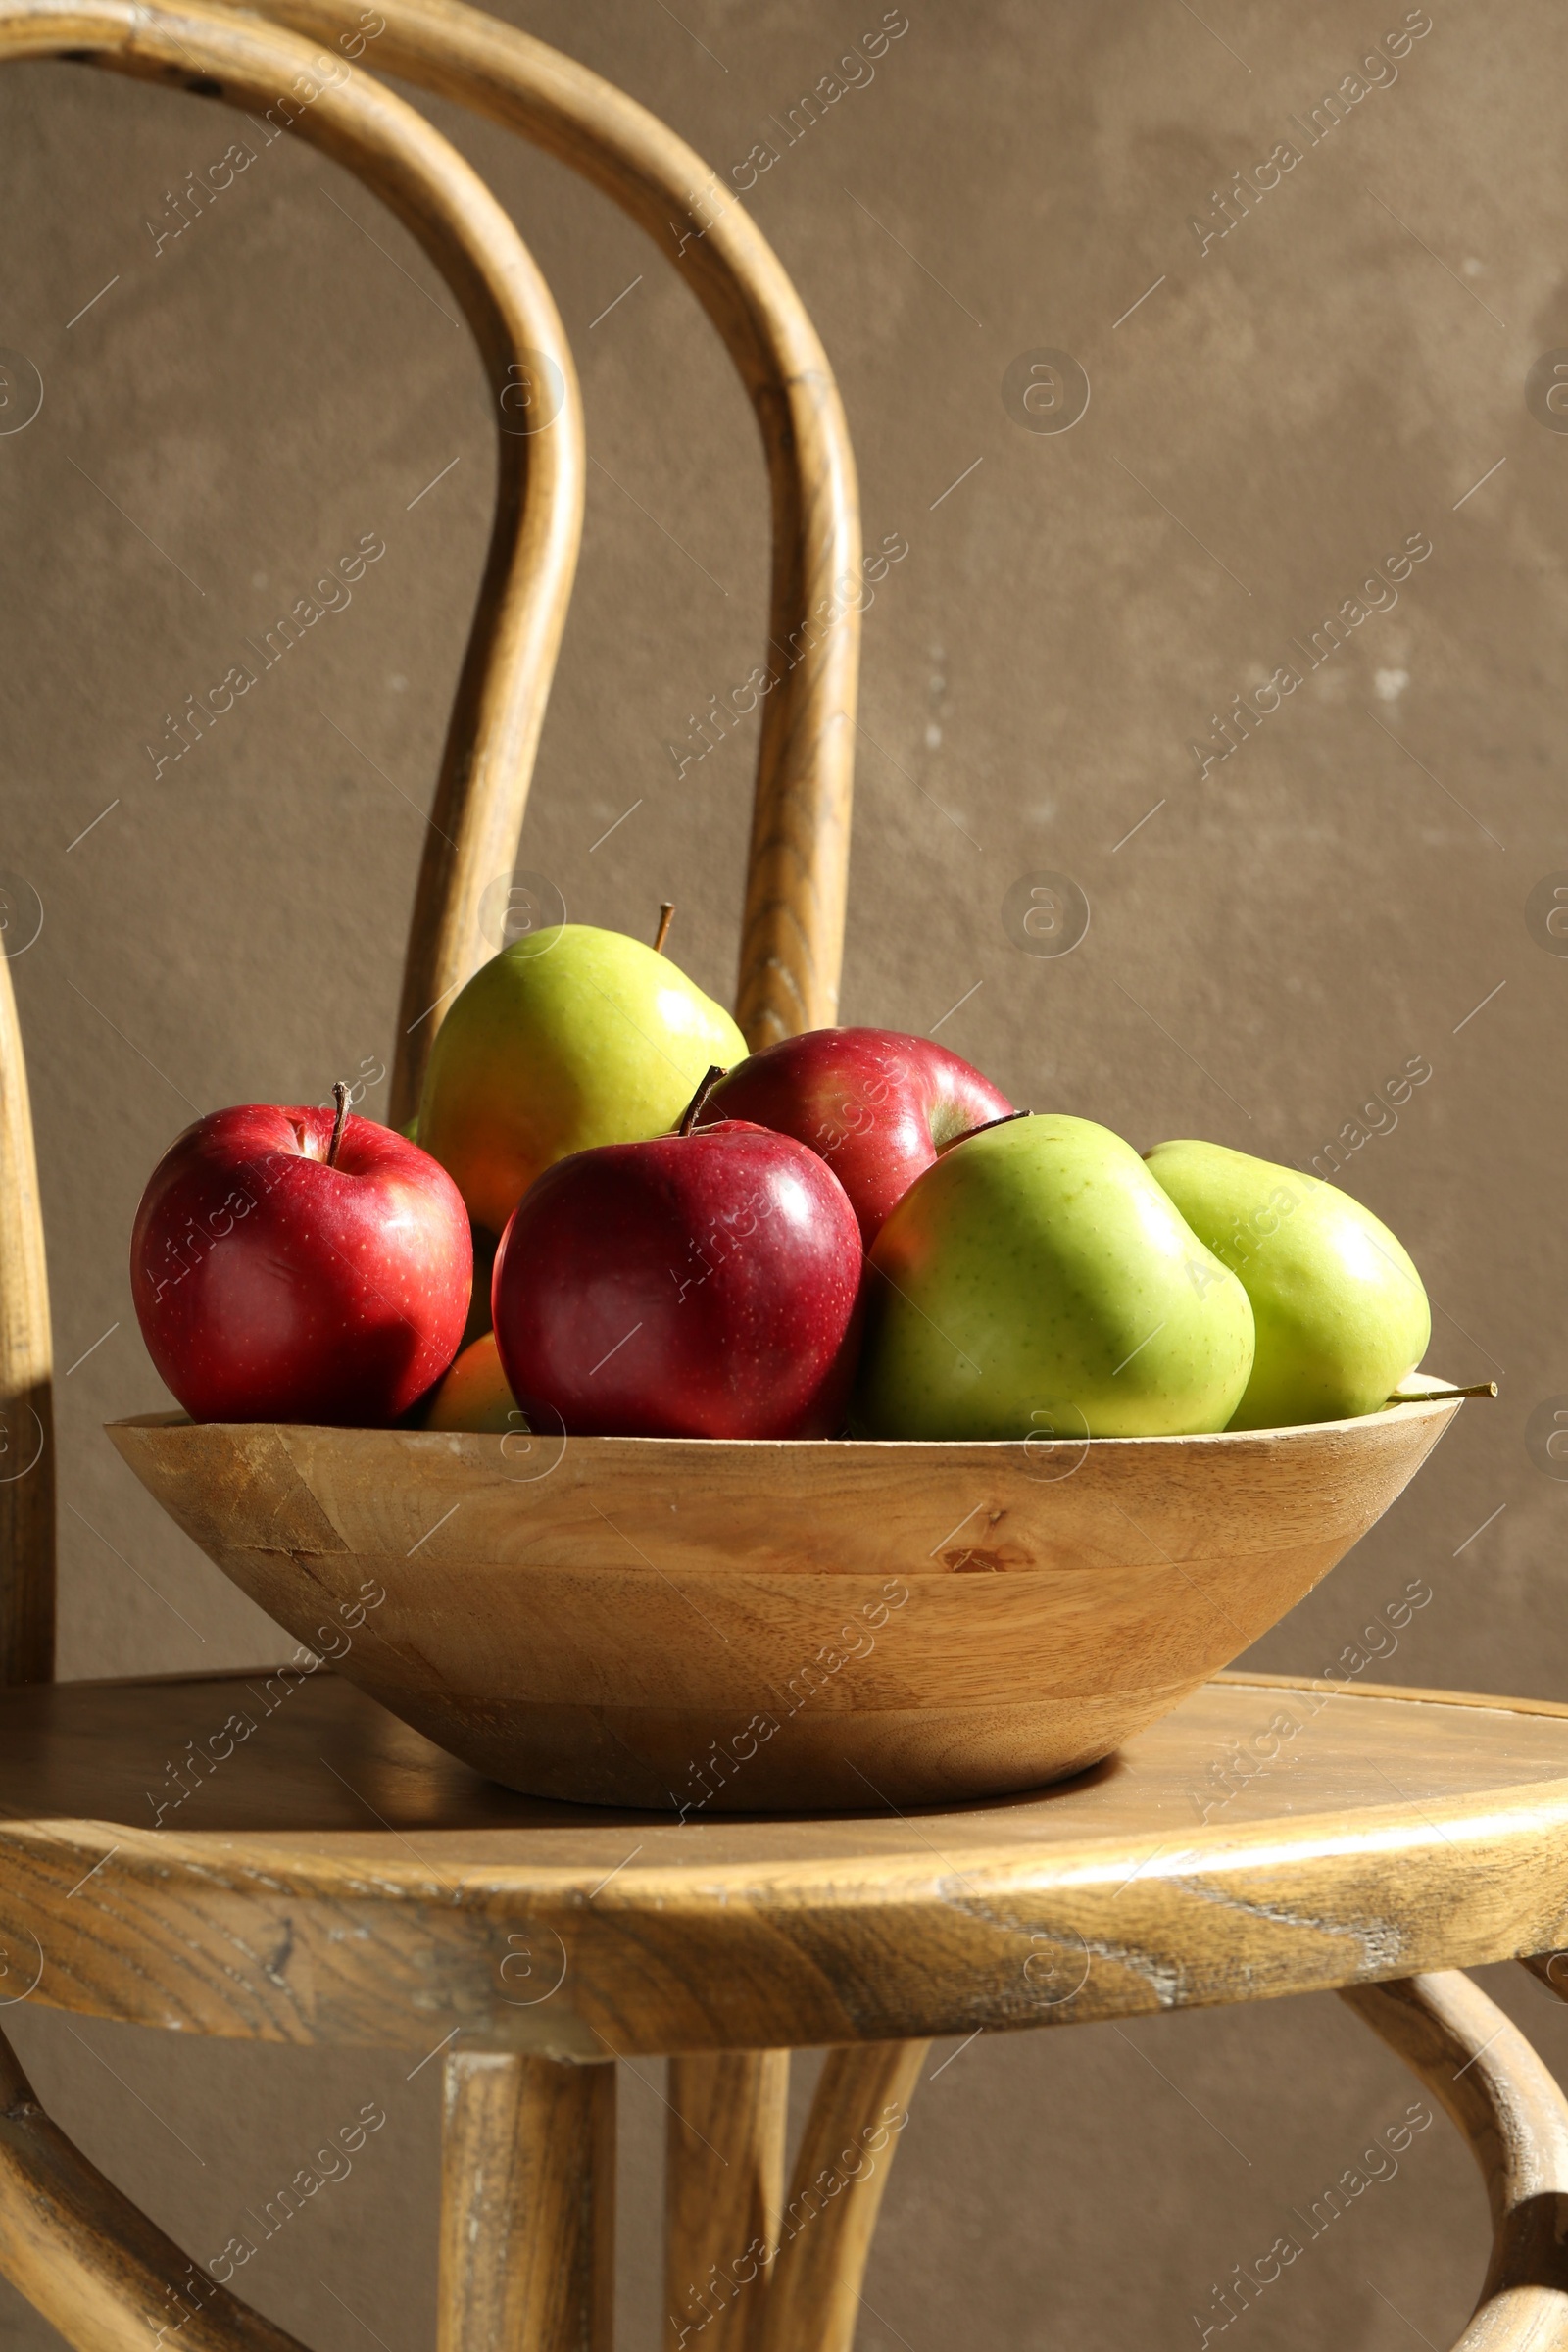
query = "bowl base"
x=691 y=1762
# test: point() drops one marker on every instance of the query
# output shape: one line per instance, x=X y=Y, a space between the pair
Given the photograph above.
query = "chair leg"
x=1482 y=2071
x=723 y=2187
x=527 y=2205
x=813 y=2298
x=83 y=2254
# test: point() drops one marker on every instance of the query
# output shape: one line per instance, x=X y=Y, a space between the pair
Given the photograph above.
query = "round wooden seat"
x=275 y=1856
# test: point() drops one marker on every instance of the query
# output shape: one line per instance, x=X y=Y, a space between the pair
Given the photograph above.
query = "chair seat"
x=328 y=1874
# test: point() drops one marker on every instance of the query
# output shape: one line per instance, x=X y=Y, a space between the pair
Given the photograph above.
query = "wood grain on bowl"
x=686 y=1623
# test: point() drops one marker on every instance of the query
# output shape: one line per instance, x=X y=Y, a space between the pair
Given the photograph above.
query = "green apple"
x=1340 y=1313
x=569 y=1037
x=1036 y=1281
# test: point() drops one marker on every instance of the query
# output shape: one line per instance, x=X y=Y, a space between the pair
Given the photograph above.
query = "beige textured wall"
x=1283 y=408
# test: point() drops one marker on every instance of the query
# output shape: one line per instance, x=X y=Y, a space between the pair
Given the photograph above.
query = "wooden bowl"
x=692 y=1624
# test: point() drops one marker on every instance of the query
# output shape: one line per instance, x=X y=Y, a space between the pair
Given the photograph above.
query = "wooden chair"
x=403 y=1901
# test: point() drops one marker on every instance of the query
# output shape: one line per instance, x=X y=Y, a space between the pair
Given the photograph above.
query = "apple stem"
x=666 y=916
x=340 y=1096
x=1477 y=1388
x=694 y=1108
x=986 y=1126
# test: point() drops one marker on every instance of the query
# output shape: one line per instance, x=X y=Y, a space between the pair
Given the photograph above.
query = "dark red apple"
x=878 y=1107
x=701 y=1285
x=279 y=1279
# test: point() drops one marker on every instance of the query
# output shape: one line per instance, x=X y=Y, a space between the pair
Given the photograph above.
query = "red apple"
x=877 y=1106
x=279 y=1278
x=701 y=1285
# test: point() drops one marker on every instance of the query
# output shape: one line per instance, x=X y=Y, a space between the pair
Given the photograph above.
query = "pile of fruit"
x=851 y=1232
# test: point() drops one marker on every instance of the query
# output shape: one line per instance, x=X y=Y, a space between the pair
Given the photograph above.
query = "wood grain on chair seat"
x=333 y=1877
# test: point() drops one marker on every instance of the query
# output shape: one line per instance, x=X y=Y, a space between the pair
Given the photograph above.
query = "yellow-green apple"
x=474 y=1395
x=1340 y=1309
x=880 y=1107
x=1035 y=1281
x=570 y=1038
x=287 y=1265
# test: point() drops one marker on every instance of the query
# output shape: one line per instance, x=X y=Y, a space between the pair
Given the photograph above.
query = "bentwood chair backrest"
x=291 y=60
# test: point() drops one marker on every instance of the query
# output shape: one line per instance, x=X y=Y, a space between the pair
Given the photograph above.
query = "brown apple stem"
x=986 y=1125
x=694 y=1108
x=666 y=916
x=1477 y=1388
x=340 y=1096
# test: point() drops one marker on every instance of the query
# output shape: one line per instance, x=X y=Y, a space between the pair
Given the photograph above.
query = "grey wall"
x=1333 y=899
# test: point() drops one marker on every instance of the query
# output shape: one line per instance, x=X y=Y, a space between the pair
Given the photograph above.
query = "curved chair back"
x=792 y=941
x=793 y=933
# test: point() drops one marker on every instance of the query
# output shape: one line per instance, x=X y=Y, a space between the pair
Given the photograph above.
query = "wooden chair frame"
x=525 y=2255
x=797 y=861
x=526 y=2233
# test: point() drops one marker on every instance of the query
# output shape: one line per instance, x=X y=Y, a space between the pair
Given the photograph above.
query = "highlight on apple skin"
x=697 y=1285
x=568 y=1038
x=1036 y=1278
x=275 y=1283
x=878 y=1105
x=1340 y=1310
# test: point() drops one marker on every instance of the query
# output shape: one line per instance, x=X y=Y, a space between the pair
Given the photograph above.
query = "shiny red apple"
x=877 y=1106
x=700 y=1285
x=287 y=1265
